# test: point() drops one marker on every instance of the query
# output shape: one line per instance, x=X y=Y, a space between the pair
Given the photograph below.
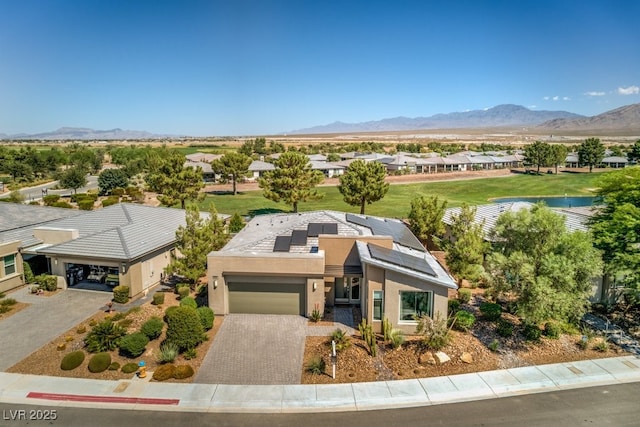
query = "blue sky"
x=250 y=67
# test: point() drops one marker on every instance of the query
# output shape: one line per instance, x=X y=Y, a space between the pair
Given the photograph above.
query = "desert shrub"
x=8 y=302
x=168 y=352
x=133 y=345
x=531 y=332
x=50 y=199
x=110 y=201
x=190 y=353
x=105 y=336
x=189 y=302
x=184 y=327
x=464 y=295
x=72 y=360
x=125 y=323
x=491 y=311
x=164 y=372
x=85 y=205
x=504 y=328
x=62 y=204
x=46 y=282
x=28 y=273
x=463 y=320
x=397 y=338
x=99 y=362
x=152 y=328
x=316 y=316
x=81 y=329
x=494 y=345
x=435 y=333
x=118 y=316
x=169 y=310
x=129 y=368
x=316 y=366
x=182 y=285
x=602 y=345
x=552 y=330
x=453 y=306
x=184 y=291
x=183 y=371
x=4 y=309
x=121 y=294
x=341 y=338
x=114 y=366
x=158 y=298
x=206 y=317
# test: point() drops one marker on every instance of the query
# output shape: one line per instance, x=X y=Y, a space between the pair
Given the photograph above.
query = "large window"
x=377 y=305
x=9 y=264
x=414 y=304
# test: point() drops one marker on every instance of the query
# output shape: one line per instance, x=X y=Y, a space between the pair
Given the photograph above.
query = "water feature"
x=552 y=202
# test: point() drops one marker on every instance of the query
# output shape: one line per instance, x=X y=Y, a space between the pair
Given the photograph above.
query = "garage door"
x=266 y=298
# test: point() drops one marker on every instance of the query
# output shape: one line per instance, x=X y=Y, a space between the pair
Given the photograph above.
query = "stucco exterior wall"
x=11 y=281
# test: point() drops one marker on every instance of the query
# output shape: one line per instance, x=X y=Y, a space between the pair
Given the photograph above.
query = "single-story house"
x=257 y=168
x=328 y=169
x=298 y=263
x=615 y=162
x=132 y=244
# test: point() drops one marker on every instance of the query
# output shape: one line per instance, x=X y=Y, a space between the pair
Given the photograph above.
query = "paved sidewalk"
x=47 y=317
x=144 y=395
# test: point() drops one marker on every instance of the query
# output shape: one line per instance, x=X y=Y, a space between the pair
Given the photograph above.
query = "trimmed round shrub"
x=184 y=291
x=531 y=332
x=99 y=362
x=121 y=294
x=504 y=328
x=129 y=368
x=552 y=330
x=133 y=345
x=105 y=336
x=188 y=301
x=62 y=204
x=158 y=298
x=47 y=282
x=72 y=360
x=168 y=311
x=491 y=311
x=464 y=295
x=183 y=371
x=85 y=204
x=110 y=201
x=152 y=328
x=206 y=317
x=8 y=302
x=50 y=199
x=454 y=306
x=464 y=320
x=114 y=366
x=184 y=327
x=164 y=372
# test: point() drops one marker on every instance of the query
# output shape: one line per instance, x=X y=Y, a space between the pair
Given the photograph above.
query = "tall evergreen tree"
x=425 y=218
x=558 y=155
x=591 y=152
x=634 y=154
x=465 y=255
x=232 y=166
x=173 y=181
x=199 y=236
x=293 y=180
x=363 y=183
x=537 y=154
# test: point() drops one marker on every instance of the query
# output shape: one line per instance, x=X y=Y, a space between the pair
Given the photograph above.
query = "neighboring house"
x=207 y=171
x=257 y=168
x=576 y=219
x=131 y=243
x=328 y=169
x=202 y=157
x=615 y=162
x=297 y=263
x=572 y=160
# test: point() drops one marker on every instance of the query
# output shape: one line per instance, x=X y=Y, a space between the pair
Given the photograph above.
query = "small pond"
x=552 y=202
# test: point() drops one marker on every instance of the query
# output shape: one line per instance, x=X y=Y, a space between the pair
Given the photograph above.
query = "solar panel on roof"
x=330 y=228
x=314 y=229
x=402 y=235
x=384 y=254
x=356 y=219
x=401 y=259
x=379 y=227
x=299 y=237
x=282 y=244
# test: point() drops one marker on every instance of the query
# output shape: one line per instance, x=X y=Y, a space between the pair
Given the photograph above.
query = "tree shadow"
x=264 y=211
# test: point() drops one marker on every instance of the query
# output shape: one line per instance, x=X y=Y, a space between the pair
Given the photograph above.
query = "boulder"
x=466 y=357
x=441 y=357
x=426 y=359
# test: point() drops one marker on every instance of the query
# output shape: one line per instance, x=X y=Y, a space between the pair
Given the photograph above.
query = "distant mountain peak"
x=503 y=115
x=625 y=118
x=78 y=133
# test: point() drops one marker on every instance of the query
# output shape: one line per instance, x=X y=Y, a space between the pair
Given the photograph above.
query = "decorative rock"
x=466 y=357
x=426 y=359
x=441 y=357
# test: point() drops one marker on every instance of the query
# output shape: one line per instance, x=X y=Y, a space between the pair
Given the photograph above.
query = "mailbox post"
x=334 y=358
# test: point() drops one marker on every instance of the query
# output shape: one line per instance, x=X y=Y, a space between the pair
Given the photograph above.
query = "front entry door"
x=347 y=290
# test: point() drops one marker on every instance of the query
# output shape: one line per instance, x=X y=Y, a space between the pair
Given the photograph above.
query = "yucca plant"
x=105 y=336
x=168 y=352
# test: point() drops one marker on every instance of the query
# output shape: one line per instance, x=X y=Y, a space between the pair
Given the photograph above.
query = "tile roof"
x=17 y=220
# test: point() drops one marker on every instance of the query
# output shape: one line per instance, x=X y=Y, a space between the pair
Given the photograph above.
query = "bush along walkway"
x=613 y=333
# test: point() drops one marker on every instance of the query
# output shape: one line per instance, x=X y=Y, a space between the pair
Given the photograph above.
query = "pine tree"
x=363 y=183
x=231 y=166
x=591 y=152
x=425 y=217
x=465 y=255
x=175 y=182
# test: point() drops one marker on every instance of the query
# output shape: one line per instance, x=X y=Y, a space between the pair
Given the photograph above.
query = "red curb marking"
x=102 y=399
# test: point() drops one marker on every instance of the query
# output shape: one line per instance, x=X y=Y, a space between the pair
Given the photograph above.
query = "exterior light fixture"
x=315 y=286
x=215 y=283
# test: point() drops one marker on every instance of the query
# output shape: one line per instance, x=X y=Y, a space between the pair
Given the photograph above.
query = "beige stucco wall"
x=13 y=280
x=374 y=278
x=341 y=250
x=265 y=268
x=55 y=235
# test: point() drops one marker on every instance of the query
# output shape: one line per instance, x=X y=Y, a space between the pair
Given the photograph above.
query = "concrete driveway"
x=47 y=317
x=256 y=349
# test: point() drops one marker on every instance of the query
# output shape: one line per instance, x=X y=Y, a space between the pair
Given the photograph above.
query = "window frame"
x=412 y=321
x=379 y=299
x=12 y=264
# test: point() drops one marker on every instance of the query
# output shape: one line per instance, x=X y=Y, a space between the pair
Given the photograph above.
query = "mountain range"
x=86 y=134
x=506 y=115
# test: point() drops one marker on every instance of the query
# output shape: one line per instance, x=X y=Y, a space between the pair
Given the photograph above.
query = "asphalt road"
x=35 y=193
x=615 y=405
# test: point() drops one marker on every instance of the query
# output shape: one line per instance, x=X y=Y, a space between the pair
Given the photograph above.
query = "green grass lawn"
x=397 y=202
